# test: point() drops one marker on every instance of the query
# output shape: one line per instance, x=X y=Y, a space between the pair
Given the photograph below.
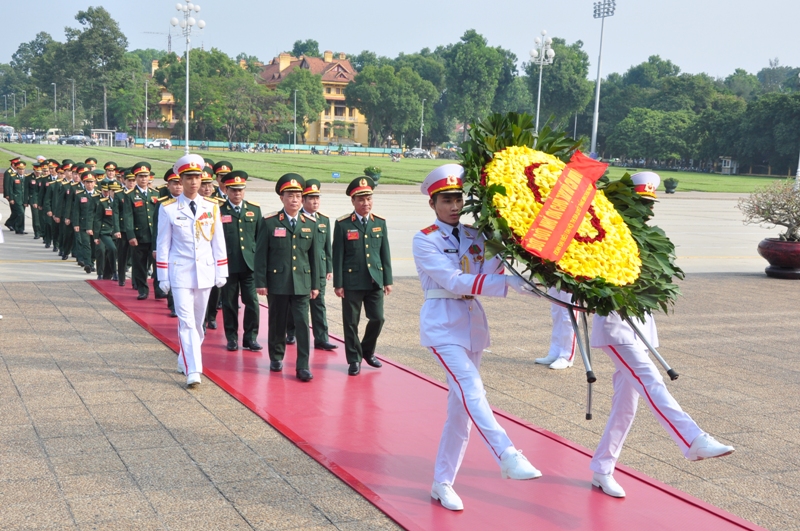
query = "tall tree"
x=309 y=47
x=310 y=99
x=650 y=134
x=473 y=73
x=743 y=84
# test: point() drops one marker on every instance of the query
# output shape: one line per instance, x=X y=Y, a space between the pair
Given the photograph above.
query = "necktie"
x=364 y=222
x=293 y=222
x=193 y=206
x=455 y=235
x=236 y=209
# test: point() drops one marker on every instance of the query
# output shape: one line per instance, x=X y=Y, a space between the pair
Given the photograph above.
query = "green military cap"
x=235 y=179
x=361 y=186
x=90 y=160
x=129 y=174
x=82 y=168
x=67 y=162
x=209 y=162
x=114 y=186
x=98 y=172
x=222 y=167
x=110 y=165
x=312 y=187
x=52 y=162
x=170 y=175
x=105 y=184
x=141 y=167
x=290 y=182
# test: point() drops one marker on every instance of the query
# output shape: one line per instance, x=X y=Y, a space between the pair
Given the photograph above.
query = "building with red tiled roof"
x=338 y=123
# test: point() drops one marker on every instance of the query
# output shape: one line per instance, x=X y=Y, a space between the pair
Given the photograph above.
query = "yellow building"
x=338 y=123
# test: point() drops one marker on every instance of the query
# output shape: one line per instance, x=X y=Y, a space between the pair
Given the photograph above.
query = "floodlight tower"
x=602 y=9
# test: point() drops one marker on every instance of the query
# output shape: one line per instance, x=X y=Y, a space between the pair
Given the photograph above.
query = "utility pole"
x=295 y=118
x=421 y=122
x=601 y=10
x=105 y=110
x=145 y=112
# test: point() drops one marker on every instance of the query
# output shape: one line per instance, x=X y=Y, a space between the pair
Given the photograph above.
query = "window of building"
x=338 y=111
x=338 y=90
x=351 y=112
x=327 y=90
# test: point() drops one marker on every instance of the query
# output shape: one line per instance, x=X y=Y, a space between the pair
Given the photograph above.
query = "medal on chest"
x=204 y=226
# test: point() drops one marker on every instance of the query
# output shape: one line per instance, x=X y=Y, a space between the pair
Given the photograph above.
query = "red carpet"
x=379 y=433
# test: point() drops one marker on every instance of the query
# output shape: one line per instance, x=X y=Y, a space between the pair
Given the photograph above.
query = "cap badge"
x=294 y=183
x=452 y=180
x=362 y=182
x=314 y=187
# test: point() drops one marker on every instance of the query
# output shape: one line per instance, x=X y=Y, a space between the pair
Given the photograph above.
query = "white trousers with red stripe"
x=637 y=375
x=562 y=339
x=190 y=305
x=466 y=405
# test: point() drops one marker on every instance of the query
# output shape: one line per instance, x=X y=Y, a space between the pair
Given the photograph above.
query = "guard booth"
x=103 y=137
x=728 y=166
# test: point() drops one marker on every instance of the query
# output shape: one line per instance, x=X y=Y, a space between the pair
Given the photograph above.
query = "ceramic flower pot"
x=783 y=258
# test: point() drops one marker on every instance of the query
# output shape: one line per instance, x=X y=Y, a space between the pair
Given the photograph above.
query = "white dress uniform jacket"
x=190 y=251
x=444 y=263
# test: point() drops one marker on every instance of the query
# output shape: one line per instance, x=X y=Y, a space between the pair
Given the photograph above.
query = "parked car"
x=77 y=140
x=53 y=135
x=162 y=143
x=417 y=153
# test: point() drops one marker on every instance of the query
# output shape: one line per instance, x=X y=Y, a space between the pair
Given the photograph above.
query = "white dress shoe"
x=608 y=484
x=193 y=379
x=705 y=446
x=546 y=361
x=514 y=465
x=446 y=496
x=561 y=363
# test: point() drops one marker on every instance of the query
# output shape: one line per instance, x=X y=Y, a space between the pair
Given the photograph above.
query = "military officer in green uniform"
x=92 y=163
x=221 y=169
x=106 y=229
x=83 y=212
x=9 y=177
x=51 y=191
x=362 y=273
x=68 y=232
x=139 y=208
x=319 y=319
x=123 y=243
x=242 y=222
x=208 y=190
x=16 y=198
x=174 y=189
x=32 y=198
x=286 y=272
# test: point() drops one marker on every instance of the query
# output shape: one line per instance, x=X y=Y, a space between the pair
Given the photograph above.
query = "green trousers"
x=37 y=226
x=245 y=284
x=372 y=302
x=141 y=255
x=279 y=308
x=106 y=256
x=319 y=317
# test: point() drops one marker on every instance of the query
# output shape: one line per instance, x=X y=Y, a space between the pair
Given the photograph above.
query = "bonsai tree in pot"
x=777 y=204
x=374 y=172
x=670 y=184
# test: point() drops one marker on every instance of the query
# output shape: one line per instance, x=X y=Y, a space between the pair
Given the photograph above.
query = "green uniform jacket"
x=41 y=190
x=51 y=194
x=286 y=259
x=241 y=234
x=7 y=181
x=69 y=199
x=361 y=256
x=139 y=209
x=83 y=211
x=31 y=190
x=323 y=243
x=160 y=201
x=106 y=219
x=119 y=202
x=16 y=188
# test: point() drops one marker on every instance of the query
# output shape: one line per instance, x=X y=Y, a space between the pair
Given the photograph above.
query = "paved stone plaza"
x=98 y=432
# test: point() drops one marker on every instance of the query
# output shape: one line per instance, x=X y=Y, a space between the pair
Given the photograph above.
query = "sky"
x=711 y=36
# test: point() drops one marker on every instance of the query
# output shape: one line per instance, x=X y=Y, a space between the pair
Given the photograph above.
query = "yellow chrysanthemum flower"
x=608 y=250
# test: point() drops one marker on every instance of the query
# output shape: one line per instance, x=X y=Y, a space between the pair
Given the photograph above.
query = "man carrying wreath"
x=450 y=262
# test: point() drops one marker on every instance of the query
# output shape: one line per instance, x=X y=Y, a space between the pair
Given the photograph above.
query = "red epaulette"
x=428 y=230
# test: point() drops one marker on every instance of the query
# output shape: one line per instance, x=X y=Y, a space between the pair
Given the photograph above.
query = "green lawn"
x=268 y=166
x=271 y=166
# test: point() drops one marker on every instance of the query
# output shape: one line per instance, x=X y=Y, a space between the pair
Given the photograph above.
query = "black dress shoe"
x=325 y=346
x=276 y=365
x=372 y=361
x=55 y=249
x=251 y=345
x=88 y=269
x=232 y=345
x=121 y=282
x=64 y=257
x=36 y=237
x=141 y=297
x=115 y=278
x=304 y=375
x=354 y=369
x=47 y=246
x=291 y=340
x=173 y=314
x=99 y=277
x=212 y=325
x=159 y=297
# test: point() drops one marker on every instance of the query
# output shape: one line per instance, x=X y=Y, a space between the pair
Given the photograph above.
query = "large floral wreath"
x=616 y=262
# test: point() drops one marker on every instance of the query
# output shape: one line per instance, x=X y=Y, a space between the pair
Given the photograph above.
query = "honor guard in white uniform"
x=636 y=375
x=190 y=258
x=562 y=339
x=450 y=262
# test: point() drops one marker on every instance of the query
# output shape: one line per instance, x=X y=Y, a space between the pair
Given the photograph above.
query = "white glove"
x=164 y=285
x=519 y=285
x=220 y=282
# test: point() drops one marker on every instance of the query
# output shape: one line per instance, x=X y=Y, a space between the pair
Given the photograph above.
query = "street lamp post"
x=14 y=101
x=73 y=104
x=602 y=9
x=24 y=99
x=186 y=30
x=421 y=122
x=5 y=105
x=145 y=112
x=295 y=118
x=55 y=112
x=541 y=55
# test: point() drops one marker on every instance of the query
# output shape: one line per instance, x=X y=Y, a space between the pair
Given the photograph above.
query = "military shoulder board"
x=168 y=201
x=343 y=217
x=429 y=230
